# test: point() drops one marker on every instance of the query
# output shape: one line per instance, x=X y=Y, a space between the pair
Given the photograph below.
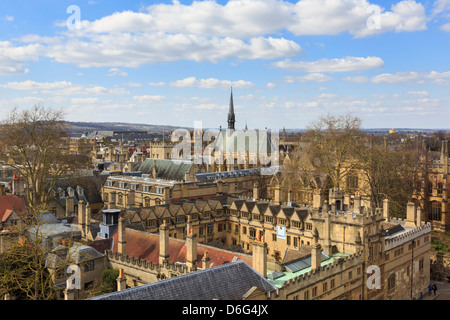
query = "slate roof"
x=228 y=282
x=166 y=169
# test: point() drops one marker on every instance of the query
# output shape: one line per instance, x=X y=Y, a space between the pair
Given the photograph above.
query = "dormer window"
x=80 y=190
x=122 y=185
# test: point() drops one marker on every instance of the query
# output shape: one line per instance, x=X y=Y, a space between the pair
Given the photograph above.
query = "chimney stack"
x=81 y=216
x=277 y=194
x=411 y=215
x=386 y=209
x=316 y=251
x=121 y=281
x=191 y=251
x=88 y=234
x=163 y=243
x=255 y=191
x=206 y=261
x=259 y=258
x=122 y=244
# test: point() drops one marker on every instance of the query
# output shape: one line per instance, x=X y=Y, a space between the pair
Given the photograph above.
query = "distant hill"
x=82 y=127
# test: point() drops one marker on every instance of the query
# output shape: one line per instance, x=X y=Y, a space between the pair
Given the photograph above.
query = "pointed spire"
x=231 y=116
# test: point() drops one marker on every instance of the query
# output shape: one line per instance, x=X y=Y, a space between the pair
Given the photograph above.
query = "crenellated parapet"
x=366 y=216
x=144 y=265
x=408 y=236
x=308 y=279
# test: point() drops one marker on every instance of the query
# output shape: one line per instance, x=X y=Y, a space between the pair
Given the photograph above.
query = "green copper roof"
x=166 y=169
x=279 y=280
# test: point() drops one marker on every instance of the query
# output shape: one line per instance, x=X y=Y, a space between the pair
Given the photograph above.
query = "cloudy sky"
x=174 y=62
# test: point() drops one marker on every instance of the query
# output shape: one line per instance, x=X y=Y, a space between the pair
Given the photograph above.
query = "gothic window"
x=430 y=187
x=435 y=211
x=352 y=182
x=440 y=187
x=391 y=282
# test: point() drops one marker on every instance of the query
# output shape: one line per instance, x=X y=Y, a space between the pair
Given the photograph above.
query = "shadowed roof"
x=228 y=282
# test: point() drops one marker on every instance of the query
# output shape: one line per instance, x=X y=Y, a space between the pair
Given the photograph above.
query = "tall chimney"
x=277 y=194
x=411 y=214
x=206 y=261
x=70 y=205
x=121 y=281
x=386 y=209
x=259 y=258
x=255 y=191
x=81 y=216
x=88 y=234
x=122 y=243
x=317 y=199
x=316 y=251
x=191 y=251
x=163 y=243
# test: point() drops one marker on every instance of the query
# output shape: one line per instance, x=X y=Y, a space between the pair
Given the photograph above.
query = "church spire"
x=231 y=117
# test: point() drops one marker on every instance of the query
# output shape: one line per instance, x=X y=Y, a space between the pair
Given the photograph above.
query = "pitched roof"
x=228 y=282
x=10 y=203
x=144 y=245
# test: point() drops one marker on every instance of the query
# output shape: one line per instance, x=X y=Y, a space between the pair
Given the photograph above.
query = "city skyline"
x=174 y=63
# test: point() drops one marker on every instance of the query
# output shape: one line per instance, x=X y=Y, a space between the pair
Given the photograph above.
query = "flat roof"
x=287 y=275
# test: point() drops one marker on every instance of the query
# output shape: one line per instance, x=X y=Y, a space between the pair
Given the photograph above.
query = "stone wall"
x=440 y=265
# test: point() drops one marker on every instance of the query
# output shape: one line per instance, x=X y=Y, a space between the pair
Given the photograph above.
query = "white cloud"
x=440 y=6
x=63 y=88
x=147 y=98
x=8 y=18
x=418 y=93
x=156 y=84
x=116 y=72
x=317 y=77
x=332 y=65
x=13 y=58
x=439 y=78
x=210 y=83
x=331 y=17
x=356 y=79
x=33 y=85
x=446 y=27
x=133 y=84
x=206 y=31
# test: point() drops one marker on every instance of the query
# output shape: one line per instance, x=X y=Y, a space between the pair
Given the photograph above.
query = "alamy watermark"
x=74 y=20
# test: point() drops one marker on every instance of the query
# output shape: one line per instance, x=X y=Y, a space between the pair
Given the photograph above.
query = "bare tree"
x=334 y=141
x=33 y=146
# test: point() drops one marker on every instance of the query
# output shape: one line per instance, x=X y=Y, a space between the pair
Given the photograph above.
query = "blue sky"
x=174 y=62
